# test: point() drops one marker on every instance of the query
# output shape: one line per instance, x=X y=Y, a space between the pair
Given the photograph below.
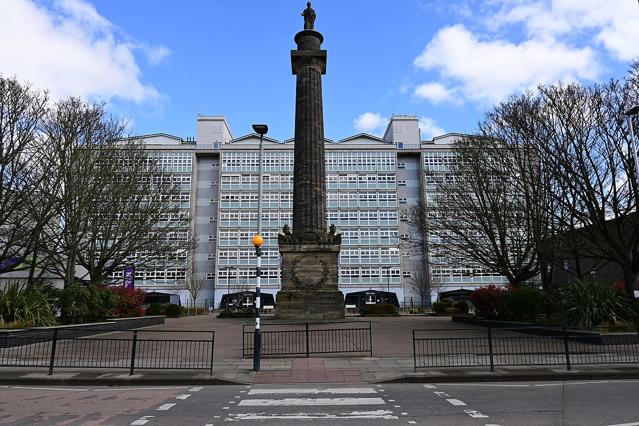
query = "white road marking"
x=391 y=400
x=377 y=414
x=53 y=389
x=456 y=401
x=441 y=394
x=596 y=382
x=412 y=422
x=430 y=386
x=475 y=414
x=134 y=389
x=183 y=396
x=626 y=424
x=404 y=414
x=485 y=384
x=310 y=401
x=196 y=389
x=225 y=408
x=141 y=421
x=165 y=407
x=548 y=384
x=313 y=391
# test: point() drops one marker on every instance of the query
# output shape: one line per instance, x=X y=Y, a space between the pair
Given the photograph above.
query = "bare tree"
x=482 y=212
x=194 y=281
x=117 y=205
x=421 y=283
x=587 y=147
x=549 y=171
x=24 y=176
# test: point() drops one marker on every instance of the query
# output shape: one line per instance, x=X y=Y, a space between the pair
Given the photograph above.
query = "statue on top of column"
x=309 y=17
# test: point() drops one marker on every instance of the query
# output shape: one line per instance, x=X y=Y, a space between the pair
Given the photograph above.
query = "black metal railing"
x=521 y=346
x=132 y=350
x=310 y=338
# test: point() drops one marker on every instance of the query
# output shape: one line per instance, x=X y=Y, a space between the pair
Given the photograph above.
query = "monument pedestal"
x=309 y=282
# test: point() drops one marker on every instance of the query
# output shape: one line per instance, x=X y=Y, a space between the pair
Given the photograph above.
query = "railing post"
x=566 y=349
x=53 y=346
x=414 y=353
x=135 y=342
x=213 y=347
x=308 y=351
x=370 y=337
x=490 y=350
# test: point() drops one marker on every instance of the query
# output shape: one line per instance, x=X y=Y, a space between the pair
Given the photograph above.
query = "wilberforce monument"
x=309 y=251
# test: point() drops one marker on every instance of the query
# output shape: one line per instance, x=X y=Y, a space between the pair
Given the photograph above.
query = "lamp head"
x=260 y=129
x=257 y=240
x=633 y=111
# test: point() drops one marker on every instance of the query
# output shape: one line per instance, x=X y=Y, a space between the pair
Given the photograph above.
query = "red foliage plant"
x=485 y=300
x=129 y=301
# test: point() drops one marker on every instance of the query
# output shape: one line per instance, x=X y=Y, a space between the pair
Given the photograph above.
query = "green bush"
x=440 y=308
x=78 y=304
x=521 y=304
x=590 y=303
x=27 y=304
x=155 y=309
x=382 y=309
x=173 y=310
x=462 y=307
x=248 y=312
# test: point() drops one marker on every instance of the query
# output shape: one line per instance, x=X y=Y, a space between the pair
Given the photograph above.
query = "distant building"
x=370 y=183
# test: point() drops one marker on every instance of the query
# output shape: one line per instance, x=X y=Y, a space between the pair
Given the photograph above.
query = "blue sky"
x=159 y=63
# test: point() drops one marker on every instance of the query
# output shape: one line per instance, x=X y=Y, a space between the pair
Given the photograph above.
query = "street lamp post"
x=261 y=130
x=630 y=113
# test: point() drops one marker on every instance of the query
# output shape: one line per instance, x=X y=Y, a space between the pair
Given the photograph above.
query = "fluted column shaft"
x=309 y=189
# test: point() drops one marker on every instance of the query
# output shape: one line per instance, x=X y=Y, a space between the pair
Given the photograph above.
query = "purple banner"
x=129 y=277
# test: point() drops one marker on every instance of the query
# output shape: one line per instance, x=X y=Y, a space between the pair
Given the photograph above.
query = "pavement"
x=392 y=362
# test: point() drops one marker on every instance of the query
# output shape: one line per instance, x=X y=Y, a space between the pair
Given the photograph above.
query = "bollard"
x=490 y=350
x=135 y=342
x=566 y=349
x=53 y=346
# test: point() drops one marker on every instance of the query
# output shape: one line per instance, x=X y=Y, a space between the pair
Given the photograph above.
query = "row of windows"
x=360 y=161
x=173 y=161
x=154 y=274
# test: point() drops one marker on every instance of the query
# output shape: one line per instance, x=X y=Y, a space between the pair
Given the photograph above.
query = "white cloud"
x=369 y=122
x=429 y=128
x=489 y=71
x=156 y=54
x=434 y=92
x=70 y=49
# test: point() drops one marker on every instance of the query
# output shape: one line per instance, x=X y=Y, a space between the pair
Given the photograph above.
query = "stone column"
x=309 y=184
x=309 y=253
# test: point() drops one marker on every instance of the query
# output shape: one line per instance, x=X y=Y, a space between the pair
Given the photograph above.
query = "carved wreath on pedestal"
x=309 y=285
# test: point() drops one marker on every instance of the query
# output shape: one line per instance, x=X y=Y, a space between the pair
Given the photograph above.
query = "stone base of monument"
x=309 y=282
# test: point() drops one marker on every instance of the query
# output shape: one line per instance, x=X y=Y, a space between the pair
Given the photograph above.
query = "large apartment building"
x=371 y=181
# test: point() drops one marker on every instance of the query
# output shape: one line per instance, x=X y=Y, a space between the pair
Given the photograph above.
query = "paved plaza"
x=392 y=360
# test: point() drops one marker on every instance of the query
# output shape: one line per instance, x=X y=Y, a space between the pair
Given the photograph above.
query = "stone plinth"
x=309 y=282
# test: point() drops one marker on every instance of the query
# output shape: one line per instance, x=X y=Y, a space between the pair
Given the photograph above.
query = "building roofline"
x=366 y=135
x=253 y=135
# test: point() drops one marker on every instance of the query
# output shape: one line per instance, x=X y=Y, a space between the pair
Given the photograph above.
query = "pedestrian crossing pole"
x=257 y=240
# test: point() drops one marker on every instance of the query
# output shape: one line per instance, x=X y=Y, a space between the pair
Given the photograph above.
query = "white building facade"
x=370 y=183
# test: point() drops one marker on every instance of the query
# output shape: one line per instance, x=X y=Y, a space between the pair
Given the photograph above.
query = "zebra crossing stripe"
x=313 y=391
x=376 y=414
x=310 y=401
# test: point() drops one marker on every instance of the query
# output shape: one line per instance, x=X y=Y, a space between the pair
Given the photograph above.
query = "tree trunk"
x=630 y=276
